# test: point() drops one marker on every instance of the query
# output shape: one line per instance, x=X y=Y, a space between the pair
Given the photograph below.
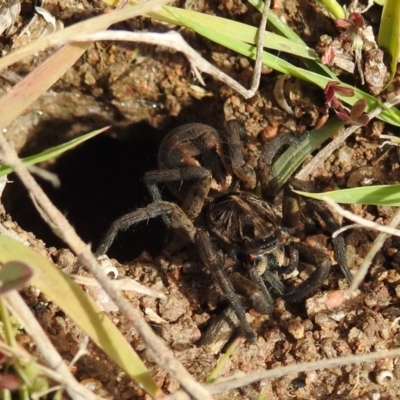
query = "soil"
x=143 y=92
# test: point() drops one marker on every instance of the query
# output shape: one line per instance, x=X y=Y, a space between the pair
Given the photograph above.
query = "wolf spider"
x=206 y=170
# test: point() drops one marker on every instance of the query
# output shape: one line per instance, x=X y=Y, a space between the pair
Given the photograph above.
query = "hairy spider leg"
x=212 y=258
x=330 y=224
x=178 y=220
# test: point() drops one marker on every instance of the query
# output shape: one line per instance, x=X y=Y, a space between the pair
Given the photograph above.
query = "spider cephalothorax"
x=222 y=217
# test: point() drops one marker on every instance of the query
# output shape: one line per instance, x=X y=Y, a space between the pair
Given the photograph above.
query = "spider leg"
x=274 y=263
x=213 y=259
x=293 y=261
x=330 y=223
x=220 y=331
x=315 y=281
x=235 y=135
x=194 y=197
x=253 y=290
x=339 y=247
x=178 y=220
x=272 y=278
x=291 y=213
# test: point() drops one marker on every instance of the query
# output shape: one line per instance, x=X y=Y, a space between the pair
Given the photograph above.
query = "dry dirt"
x=143 y=92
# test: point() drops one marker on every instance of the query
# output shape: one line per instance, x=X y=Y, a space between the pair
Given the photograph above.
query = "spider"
x=222 y=217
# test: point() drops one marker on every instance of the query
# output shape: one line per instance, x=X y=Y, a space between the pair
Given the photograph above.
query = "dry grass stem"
x=82 y=351
x=360 y=220
x=240 y=381
x=255 y=81
x=50 y=177
x=120 y=284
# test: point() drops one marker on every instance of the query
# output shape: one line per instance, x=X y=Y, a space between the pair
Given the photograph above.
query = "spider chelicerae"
x=220 y=215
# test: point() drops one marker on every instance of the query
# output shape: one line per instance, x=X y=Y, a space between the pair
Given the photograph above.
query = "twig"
x=162 y=354
x=126 y=284
x=339 y=140
x=48 y=176
x=239 y=381
x=360 y=220
x=255 y=81
x=82 y=351
x=347 y=228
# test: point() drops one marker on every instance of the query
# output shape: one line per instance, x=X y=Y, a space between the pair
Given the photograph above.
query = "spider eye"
x=268 y=243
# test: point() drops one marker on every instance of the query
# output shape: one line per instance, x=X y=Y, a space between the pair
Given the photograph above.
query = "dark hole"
x=100 y=181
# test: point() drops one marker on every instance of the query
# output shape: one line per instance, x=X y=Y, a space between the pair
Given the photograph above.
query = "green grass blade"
x=58 y=287
x=389 y=33
x=223 y=360
x=333 y=7
x=14 y=275
x=54 y=151
x=277 y=24
x=234 y=29
x=290 y=160
x=383 y=195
